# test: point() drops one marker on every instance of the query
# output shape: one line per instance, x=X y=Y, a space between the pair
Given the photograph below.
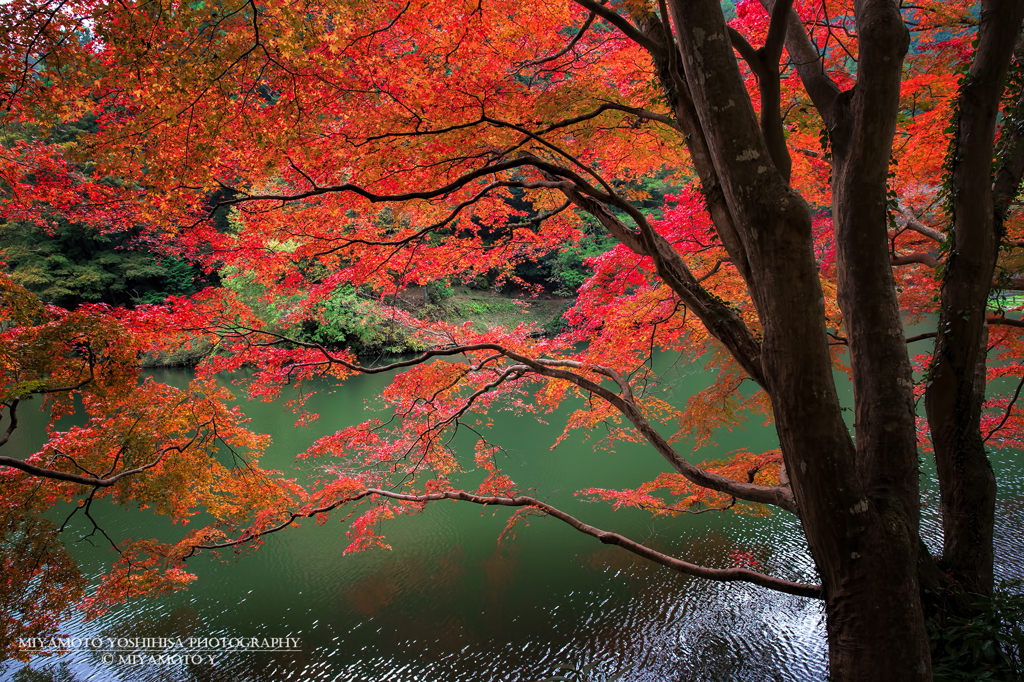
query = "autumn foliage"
x=391 y=145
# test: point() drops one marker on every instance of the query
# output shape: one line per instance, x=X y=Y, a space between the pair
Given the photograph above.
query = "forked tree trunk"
x=859 y=505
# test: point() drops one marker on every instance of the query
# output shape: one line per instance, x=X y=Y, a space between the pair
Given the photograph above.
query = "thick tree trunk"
x=858 y=505
x=957 y=377
x=875 y=618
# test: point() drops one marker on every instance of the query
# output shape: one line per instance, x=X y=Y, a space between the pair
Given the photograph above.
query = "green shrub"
x=346 y=320
x=77 y=264
x=568 y=271
x=987 y=646
x=439 y=292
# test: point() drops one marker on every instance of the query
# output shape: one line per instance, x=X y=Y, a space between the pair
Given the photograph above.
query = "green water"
x=451 y=602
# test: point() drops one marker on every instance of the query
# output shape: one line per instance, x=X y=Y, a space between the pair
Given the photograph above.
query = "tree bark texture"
x=859 y=505
x=956 y=377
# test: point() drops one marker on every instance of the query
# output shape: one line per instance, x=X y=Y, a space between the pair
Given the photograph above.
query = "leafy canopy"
x=372 y=147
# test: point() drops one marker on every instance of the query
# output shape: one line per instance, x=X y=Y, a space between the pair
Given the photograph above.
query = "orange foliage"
x=380 y=146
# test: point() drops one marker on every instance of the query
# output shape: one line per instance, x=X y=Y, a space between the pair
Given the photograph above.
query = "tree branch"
x=1004 y=321
x=94 y=481
x=644 y=113
x=810 y=66
x=779 y=496
x=778 y=27
x=373 y=197
x=1006 y=415
x=572 y=43
x=765 y=65
x=746 y=51
x=452 y=215
x=620 y=22
x=922 y=258
x=606 y=537
x=13 y=409
x=917 y=226
x=670 y=73
x=720 y=320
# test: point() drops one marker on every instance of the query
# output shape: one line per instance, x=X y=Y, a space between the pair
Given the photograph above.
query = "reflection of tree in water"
x=38 y=578
x=58 y=672
x=500 y=571
x=484 y=621
x=445 y=603
x=453 y=616
x=374 y=591
x=405 y=577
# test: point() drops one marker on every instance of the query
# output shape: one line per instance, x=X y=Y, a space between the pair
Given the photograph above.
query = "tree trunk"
x=859 y=506
x=956 y=390
x=875 y=618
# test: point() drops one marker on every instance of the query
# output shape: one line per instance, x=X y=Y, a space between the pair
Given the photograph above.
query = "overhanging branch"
x=606 y=537
x=94 y=481
x=721 y=321
x=779 y=496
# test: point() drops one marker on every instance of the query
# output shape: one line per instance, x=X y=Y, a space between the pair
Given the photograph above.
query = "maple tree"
x=856 y=171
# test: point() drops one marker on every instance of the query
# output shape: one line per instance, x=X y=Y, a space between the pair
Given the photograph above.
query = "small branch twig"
x=1009 y=408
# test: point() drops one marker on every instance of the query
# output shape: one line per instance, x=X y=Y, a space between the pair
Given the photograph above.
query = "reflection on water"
x=451 y=602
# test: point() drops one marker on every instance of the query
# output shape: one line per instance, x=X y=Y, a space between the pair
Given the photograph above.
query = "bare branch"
x=709 y=273
x=917 y=226
x=621 y=23
x=1004 y=321
x=644 y=113
x=13 y=409
x=373 y=197
x=1009 y=408
x=777 y=30
x=746 y=51
x=810 y=65
x=452 y=215
x=813 y=154
x=571 y=44
x=765 y=65
x=922 y=258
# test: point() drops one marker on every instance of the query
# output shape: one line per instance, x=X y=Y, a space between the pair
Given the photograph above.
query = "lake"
x=452 y=602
